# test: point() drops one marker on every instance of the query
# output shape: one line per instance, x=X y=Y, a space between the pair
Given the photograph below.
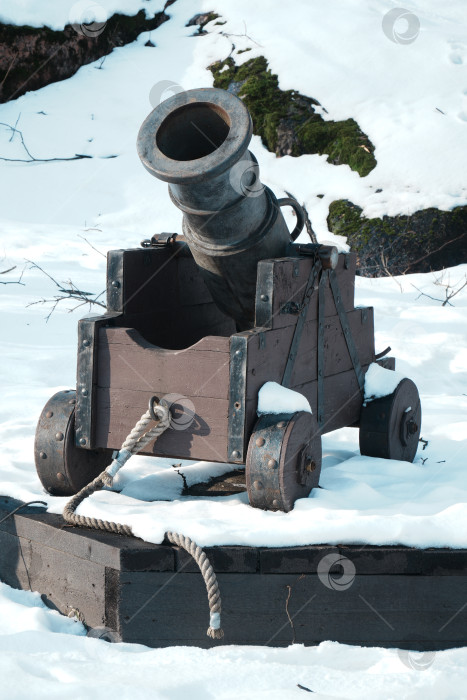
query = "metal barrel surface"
x=197 y=141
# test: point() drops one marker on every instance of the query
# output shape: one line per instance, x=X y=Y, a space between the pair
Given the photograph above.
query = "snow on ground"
x=412 y=102
x=46 y=655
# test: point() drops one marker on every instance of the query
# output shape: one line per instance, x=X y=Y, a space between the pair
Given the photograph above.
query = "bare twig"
x=450 y=291
x=241 y=35
x=90 y=244
x=71 y=291
x=18 y=281
x=33 y=159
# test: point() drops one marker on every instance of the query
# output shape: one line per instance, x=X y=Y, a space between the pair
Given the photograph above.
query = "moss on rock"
x=429 y=239
x=287 y=121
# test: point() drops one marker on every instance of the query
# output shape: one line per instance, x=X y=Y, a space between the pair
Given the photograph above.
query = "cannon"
x=206 y=318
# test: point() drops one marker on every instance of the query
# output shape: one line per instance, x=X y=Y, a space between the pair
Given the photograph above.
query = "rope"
x=138 y=438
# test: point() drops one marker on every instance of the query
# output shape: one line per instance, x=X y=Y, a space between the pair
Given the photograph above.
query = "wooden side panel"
x=205 y=438
x=267 y=355
x=131 y=370
x=162 y=294
x=289 y=280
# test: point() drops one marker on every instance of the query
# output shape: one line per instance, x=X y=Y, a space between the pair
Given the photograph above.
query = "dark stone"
x=429 y=239
x=31 y=58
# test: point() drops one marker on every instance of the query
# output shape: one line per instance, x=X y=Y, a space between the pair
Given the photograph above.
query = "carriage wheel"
x=390 y=426
x=283 y=461
x=62 y=467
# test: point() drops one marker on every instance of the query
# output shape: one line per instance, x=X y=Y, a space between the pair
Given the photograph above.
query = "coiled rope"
x=136 y=440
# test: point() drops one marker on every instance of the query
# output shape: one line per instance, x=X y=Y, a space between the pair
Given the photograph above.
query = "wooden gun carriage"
x=172 y=330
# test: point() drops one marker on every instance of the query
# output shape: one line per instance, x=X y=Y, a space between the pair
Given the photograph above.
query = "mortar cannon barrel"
x=197 y=141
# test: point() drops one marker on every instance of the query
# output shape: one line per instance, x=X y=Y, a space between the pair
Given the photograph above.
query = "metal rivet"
x=60 y=476
x=237 y=405
x=235 y=454
x=281 y=424
x=42 y=455
x=116 y=284
x=86 y=343
x=49 y=414
x=272 y=463
x=85 y=392
x=310 y=464
x=258 y=485
x=275 y=503
x=59 y=436
x=82 y=441
x=238 y=353
x=260 y=442
x=264 y=297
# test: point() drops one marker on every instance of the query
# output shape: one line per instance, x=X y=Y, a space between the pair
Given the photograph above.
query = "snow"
x=411 y=100
x=45 y=655
x=380 y=382
x=274 y=398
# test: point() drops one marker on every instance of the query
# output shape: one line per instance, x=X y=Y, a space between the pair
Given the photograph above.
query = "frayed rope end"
x=214 y=630
x=215 y=633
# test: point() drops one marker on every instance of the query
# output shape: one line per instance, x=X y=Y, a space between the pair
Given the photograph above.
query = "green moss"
x=287 y=121
x=243 y=50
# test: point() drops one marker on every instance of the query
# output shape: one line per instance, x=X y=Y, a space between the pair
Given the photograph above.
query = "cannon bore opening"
x=193 y=131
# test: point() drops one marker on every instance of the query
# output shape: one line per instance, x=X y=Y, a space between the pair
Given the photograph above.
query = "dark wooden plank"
x=224 y=559
x=66 y=582
x=118 y=410
x=267 y=356
x=130 y=336
x=421 y=612
x=119 y=552
x=288 y=277
x=368 y=560
x=342 y=401
x=139 y=366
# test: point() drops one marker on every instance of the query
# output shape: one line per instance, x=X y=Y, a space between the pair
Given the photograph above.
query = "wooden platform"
x=154 y=594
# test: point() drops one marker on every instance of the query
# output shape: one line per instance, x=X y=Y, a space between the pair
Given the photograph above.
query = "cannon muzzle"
x=197 y=141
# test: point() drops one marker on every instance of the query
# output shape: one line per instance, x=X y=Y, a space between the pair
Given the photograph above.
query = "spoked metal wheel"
x=283 y=461
x=390 y=426
x=64 y=468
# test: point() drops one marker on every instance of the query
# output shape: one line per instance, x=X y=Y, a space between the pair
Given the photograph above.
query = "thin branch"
x=33 y=159
x=18 y=281
x=72 y=292
x=90 y=244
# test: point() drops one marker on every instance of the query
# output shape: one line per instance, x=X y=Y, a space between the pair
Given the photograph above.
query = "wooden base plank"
x=154 y=594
